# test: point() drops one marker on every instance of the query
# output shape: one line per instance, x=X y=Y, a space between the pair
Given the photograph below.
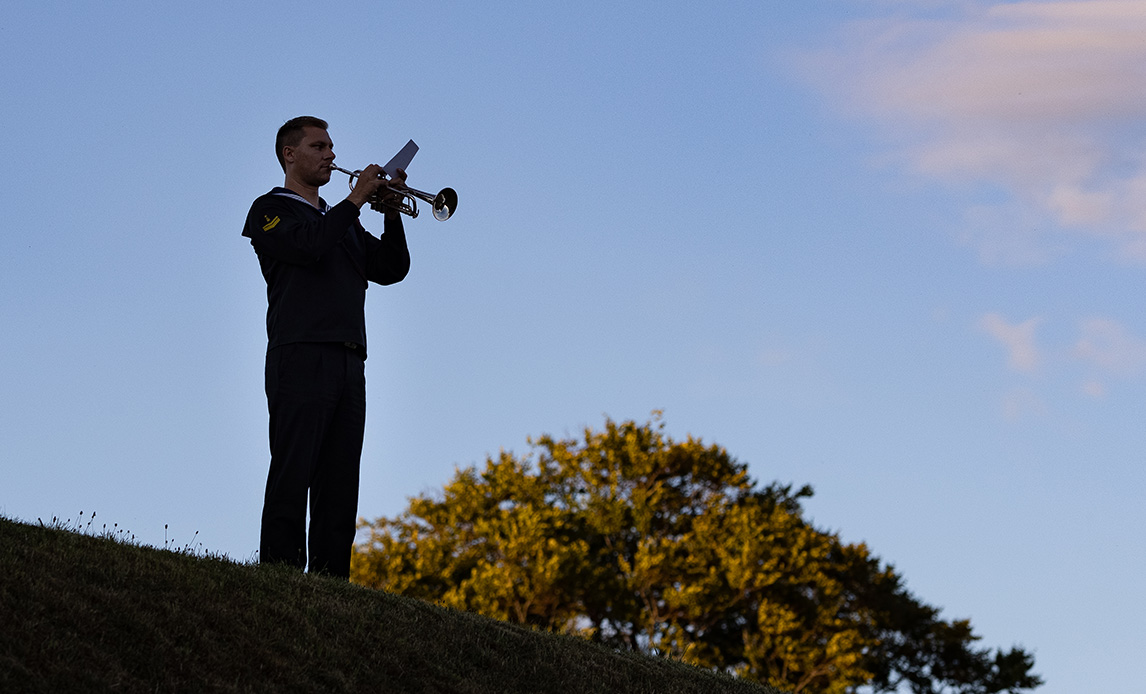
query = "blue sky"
x=892 y=249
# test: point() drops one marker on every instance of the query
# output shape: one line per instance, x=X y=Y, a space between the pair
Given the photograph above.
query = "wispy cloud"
x=1018 y=339
x=1106 y=344
x=1040 y=99
x=1021 y=403
x=1104 y=351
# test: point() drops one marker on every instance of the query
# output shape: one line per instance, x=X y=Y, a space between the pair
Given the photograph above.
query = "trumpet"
x=398 y=196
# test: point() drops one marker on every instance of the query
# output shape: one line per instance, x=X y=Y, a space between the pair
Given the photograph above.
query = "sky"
x=893 y=249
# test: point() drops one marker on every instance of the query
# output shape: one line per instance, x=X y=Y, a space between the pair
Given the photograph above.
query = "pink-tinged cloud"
x=1043 y=99
x=1021 y=403
x=1107 y=344
x=1018 y=339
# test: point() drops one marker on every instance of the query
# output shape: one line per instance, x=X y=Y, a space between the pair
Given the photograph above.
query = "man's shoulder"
x=264 y=199
x=267 y=210
x=275 y=195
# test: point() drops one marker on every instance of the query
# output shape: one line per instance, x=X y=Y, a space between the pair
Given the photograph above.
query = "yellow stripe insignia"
x=271 y=223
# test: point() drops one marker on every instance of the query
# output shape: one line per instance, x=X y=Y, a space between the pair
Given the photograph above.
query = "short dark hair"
x=290 y=134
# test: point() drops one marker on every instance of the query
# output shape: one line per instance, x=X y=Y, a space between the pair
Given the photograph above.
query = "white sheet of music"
x=401 y=160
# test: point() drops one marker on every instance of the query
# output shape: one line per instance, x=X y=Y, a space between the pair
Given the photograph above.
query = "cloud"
x=1105 y=350
x=1094 y=389
x=1019 y=340
x=1106 y=344
x=1021 y=403
x=1042 y=100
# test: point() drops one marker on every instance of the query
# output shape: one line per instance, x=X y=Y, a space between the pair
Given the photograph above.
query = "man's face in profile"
x=310 y=161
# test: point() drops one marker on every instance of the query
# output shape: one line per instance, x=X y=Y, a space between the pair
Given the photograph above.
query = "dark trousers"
x=316 y=394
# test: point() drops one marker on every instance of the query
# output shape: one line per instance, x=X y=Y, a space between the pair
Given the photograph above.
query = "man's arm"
x=388 y=257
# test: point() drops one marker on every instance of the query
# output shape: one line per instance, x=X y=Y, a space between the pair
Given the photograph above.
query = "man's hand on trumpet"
x=395 y=197
x=372 y=182
x=368 y=182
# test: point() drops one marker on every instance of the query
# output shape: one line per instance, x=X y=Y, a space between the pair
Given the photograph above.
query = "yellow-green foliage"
x=638 y=541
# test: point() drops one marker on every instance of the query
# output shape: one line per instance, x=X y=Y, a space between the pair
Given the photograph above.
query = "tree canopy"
x=635 y=540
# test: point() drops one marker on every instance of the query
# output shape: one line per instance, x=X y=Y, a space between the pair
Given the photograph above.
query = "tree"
x=638 y=541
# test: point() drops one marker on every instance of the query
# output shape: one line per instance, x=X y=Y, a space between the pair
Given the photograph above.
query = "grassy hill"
x=95 y=614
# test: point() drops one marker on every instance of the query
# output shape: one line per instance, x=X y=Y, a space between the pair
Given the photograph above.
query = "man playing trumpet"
x=317 y=261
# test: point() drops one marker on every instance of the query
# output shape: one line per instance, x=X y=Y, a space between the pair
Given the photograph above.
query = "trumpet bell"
x=445 y=202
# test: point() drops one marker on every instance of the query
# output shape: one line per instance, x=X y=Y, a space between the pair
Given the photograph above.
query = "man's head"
x=292 y=132
x=305 y=150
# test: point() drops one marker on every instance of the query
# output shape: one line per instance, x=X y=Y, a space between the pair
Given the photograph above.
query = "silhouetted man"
x=317 y=261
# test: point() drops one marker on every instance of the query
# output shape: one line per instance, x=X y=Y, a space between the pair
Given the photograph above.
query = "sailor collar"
x=286 y=193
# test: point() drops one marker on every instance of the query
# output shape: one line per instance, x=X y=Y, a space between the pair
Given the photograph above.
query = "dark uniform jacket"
x=317 y=264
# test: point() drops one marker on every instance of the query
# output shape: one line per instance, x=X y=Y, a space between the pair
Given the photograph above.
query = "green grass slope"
x=94 y=614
